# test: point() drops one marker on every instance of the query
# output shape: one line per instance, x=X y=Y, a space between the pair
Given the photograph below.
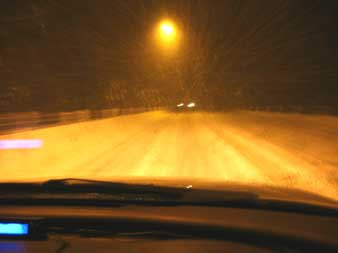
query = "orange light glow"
x=167 y=33
x=167 y=30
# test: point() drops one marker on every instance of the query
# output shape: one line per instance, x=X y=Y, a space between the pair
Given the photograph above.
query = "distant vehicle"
x=191 y=105
x=185 y=106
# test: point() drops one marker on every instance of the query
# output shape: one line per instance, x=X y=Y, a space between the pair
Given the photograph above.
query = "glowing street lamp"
x=167 y=33
x=167 y=30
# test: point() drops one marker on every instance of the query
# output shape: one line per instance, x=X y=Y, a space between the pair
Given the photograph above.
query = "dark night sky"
x=66 y=54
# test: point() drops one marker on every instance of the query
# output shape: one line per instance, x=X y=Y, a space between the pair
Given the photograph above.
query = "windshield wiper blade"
x=95 y=186
x=72 y=191
x=77 y=187
x=91 y=192
x=82 y=186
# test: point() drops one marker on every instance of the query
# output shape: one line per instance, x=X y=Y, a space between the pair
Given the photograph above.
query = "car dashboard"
x=134 y=228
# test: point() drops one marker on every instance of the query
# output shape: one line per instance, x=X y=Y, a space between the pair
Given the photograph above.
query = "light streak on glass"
x=20 y=144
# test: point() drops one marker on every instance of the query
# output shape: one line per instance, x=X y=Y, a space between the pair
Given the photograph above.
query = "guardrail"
x=12 y=122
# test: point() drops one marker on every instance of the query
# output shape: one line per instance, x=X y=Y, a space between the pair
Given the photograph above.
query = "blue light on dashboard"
x=13 y=229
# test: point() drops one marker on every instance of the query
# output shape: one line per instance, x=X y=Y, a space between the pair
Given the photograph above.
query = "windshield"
x=241 y=92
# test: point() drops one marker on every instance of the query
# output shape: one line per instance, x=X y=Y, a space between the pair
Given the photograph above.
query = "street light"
x=167 y=30
x=167 y=34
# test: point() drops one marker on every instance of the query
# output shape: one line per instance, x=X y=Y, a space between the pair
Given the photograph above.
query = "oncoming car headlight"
x=190 y=105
